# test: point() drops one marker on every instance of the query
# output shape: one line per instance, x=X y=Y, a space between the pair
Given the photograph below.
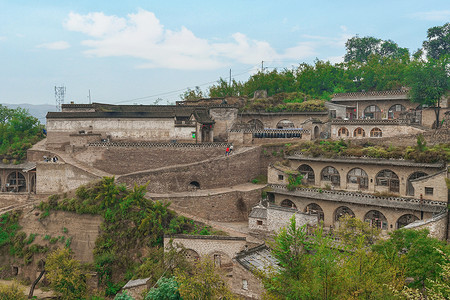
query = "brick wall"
x=254 y=285
x=436 y=225
x=214 y=173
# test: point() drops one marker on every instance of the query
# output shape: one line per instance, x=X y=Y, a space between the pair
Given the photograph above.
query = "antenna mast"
x=60 y=91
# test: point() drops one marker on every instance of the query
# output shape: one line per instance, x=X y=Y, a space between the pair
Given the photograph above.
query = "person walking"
x=227 y=151
x=231 y=149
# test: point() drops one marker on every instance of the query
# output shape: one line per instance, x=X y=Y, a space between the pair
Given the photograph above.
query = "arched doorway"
x=331 y=175
x=308 y=174
x=358 y=177
x=315 y=209
x=285 y=124
x=288 y=203
x=388 y=179
x=376 y=132
x=221 y=260
x=409 y=186
x=343 y=132
x=395 y=111
x=405 y=220
x=256 y=124
x=16 y=182
x=206 y=133
x=372 y=112
x=316 y=132
x=359 y=132
x=376 y=219
x=342 y=211
x=194 y=185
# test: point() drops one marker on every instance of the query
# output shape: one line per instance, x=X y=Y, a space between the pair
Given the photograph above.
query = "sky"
x=126 y=52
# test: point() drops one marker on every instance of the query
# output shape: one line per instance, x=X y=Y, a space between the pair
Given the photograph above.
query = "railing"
x=371 y=122
x=159 y=145
x=360 y=195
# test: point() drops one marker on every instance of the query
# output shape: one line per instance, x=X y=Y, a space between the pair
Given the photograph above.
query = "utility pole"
x=262 y=66
x=89 y=96
x=230 y=77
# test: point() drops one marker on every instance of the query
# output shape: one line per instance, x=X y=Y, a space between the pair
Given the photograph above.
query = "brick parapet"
x=159 y=145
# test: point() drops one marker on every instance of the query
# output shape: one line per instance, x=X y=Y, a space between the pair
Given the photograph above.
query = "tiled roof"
x=25 y=167
x=258 y=212
x=133 y=111
x=258 y=258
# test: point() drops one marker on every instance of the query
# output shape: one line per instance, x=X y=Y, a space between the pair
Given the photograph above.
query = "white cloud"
x=141 y=35
x=434 y=15
x=2 y=38
x=335 y=59
x=60 y=45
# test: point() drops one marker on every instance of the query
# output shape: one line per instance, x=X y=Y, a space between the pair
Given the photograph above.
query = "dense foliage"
x=342 y=148
x=356 y=266
x=131 y=223
x=18 y=131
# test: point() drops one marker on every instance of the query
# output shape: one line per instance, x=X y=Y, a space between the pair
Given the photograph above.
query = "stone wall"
x=208 y=245
x=253 y=289
x=270 y=120
x=123 y=160
x=224 y=118
x=388 y=130
x=52 y=178
x=224 y=207
x=436 y=225
x=435 y=182
x=235 y=169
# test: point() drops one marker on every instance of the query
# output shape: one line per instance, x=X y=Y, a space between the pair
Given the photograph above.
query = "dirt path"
x=40 y=294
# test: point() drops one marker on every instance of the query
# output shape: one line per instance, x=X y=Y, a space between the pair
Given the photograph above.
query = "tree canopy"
x=438 y=43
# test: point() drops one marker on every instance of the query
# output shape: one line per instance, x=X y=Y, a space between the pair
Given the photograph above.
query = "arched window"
x=389 y=179
x=191 y=255
x=395 y=111
x=405 y=220
x=332 y=175
x=358 y=176
x=315 y=209
x=343 y=132
x=256 y=124
x=316 y=132
x=409 y=186
x=284 y=124
x=376 y=132
x=372 y=112
x=342 y=211
x=288 y=203
x=376 y=219
x=16 y=182
x=308 y=174
x=359 y=132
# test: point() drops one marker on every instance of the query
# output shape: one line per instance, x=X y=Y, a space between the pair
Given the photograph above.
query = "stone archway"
x=256 y=124
x=285 y=124
x=288 y=203
x=194 y=185
x=372 y=112
x=191 y=255
x=308 y=174
x=376 y=219
x=342 y=211
x=331 y=174
x=388 y=179
x=405 y=220
x=316 y=132
x=409 y=187
x=16 y=182
x=315 y=209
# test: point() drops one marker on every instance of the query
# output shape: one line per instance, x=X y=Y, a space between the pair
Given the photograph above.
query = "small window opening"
x=194 y=185
x=428 y=191
x=280 y=177
x=259 y=222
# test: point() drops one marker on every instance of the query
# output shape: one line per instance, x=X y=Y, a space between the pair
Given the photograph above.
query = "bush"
x=9 y=292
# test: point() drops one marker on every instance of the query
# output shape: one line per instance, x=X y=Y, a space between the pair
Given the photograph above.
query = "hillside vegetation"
x=18 y=132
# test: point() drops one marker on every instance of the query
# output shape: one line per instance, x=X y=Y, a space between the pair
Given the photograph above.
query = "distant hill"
x=38 y=111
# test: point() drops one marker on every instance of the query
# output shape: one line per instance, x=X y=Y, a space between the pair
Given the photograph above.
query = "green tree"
x=192 y=95
x=414 y=252
x=9 y=292
x=224 y=89
x=65 y=274
x=359 y=49
x=204 y=282
x=438 y=43
x=429 y=82
x=167 y=289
